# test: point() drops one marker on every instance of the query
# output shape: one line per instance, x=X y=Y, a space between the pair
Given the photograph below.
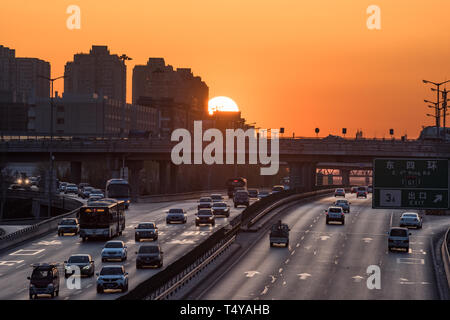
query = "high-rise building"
x=157 y=81
x=98 y=72
x=22 y=78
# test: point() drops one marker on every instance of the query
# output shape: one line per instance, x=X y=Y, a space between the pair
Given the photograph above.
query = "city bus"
x=102 y=219
x=234 y=184
x=118 y=189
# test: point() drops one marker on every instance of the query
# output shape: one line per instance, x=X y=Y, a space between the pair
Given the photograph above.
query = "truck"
x=279 y=234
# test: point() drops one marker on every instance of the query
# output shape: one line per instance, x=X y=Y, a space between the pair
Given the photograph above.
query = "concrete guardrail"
x=33 y=231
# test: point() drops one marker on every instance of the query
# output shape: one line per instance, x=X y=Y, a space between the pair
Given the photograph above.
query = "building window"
x=60 y=121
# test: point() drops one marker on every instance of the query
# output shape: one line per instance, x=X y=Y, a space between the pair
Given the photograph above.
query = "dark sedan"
x=149 y=255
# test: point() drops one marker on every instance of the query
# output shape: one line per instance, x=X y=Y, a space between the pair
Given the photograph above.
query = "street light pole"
x=50 y=180
x=438 y=111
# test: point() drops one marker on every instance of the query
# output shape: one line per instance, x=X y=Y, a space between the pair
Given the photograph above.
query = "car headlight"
x=86 y=267
x=19 y=181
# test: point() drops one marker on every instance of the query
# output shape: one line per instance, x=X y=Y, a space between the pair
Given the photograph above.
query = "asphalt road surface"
x=331 y=261
x=175 y=240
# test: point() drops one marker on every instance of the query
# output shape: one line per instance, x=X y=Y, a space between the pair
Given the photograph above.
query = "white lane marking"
x=184 y=241
x=280 y=270
x=273 y=279
x=410 y=261
x=47 y=243
x=298 y=245
x=287 y=261
x=292 y=253
x=323 y=238
x=367 y=240
x=412 y=282
x=23 y=252
x=303 y=276
x=251 y=274
x=10 y=263
x=284 y=283
x=303 y=237
x=357 y=278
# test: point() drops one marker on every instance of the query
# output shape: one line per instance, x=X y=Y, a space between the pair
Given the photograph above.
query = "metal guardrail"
x=445 y=250
x=174 y=287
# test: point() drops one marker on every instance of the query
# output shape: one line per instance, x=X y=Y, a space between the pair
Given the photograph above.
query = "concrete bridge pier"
x=174 y=169
x=302 y=175
x=345 y=173
x=113 y=165
x=134 y=168
x=164 y=169
x=75 y=171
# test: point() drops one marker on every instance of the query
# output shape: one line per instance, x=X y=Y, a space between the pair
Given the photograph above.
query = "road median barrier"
x=178 y=196
x=445 y=250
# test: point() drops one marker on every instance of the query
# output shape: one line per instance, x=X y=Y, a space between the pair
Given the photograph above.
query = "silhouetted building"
x=20 y=77
x=158 y=81
x=76 y=114
x=223 y=120
x=97 y=72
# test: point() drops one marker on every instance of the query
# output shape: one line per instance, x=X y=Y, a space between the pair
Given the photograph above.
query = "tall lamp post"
x=438 y=112
x=50 y=180
x=444 y=105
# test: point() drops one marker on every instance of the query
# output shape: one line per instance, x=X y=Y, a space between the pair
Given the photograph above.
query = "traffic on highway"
x=108 y=249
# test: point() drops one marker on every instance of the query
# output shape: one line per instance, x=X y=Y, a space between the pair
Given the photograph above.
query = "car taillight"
x=390 y=240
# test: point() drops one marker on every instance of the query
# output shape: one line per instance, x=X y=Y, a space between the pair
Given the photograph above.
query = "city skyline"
x=297 y=62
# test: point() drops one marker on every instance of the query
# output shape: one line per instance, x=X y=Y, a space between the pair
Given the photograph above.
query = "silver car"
x=411 y=219
x=114 y=250
x=398 y=238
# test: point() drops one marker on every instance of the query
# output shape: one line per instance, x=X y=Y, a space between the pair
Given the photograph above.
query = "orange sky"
x=287 y=63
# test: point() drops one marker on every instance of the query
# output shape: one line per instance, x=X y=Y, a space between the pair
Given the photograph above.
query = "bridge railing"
x=445 y=251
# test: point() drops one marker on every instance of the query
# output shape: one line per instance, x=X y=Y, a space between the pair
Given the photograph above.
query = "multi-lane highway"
x=330 y=261
x=175 y=240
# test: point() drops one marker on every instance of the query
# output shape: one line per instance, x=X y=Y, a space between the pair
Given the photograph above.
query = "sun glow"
x=222 y=104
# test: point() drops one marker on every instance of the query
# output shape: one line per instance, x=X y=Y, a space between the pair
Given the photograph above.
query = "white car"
x=411 y=219
x=114 y=250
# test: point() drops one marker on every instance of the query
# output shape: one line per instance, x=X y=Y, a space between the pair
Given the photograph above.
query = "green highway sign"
x=410 y=184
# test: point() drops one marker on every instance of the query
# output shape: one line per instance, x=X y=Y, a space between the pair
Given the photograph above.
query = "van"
x=44 y=280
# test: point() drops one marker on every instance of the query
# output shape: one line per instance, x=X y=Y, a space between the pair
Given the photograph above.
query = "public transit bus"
x=102 y=219
x=118 y=189
x=235 y=184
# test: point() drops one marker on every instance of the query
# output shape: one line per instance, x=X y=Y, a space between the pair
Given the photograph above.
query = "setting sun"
x=222 y=104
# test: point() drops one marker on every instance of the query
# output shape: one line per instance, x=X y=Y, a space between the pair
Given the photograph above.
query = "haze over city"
x=291 y=64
